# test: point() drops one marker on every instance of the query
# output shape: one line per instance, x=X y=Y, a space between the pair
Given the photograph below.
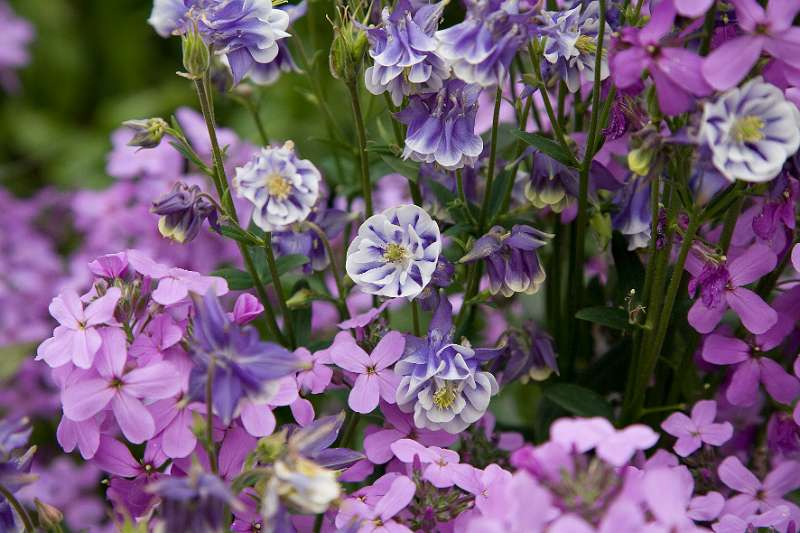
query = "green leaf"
x=283 y=264
x=238 y=280
x=547 y=146
x=628 y=267
x=238 y=234
x=301 y=318
x=577 y=400
x=406 y=168
x=611 y=317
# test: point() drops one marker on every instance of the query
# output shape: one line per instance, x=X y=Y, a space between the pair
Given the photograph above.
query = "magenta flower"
x=616 y=447
x=770 y=519
x=315 y=375
x=159 y=339
x=174 y=418
x=375 y=379
x=442 y=466
x=377 y=518
x=174 y=284
x=675 y=70
x=82 y=435
x=377 y=445
x=693 y=432
x=752 y=368
x=767 y=30
x=111 y=383
x=722 y=284
x=77 y=339
x=667 y=498
x=487 y=485
x=246 y=309
x=756 y=496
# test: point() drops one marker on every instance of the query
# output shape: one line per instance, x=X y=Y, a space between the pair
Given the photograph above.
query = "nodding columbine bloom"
x=571 y=43
x=301 y=240
x=246 y=32
x=441 y=126
x=395 y=252
x=182 y=212
x=634 y=219
x=268 y=73
x=551 y=184
x=404 y=51
x=480 y=48
x=441 y=382
x=244 y=365
x=512 y=262
x=751 y=131
x=282 y=187
x=530 y=355
x=15 y=465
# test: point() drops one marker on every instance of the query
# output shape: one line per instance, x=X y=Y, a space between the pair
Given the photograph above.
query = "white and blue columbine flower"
x=395 y=252
x=481 y=48
x=441 y=126
x=404 y=51
x=441 y=382
x=282 y=187
x=571 y=43
x=751 y=130
x=246 y=32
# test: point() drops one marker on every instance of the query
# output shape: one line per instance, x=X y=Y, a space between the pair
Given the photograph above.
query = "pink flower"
x=76 y=339
x=111 y=383
x=155 y=342
x=375 y=379
x=667 y=497
x=316 y=375
x=693 y=432
x=246 y=309
x=377 y=445
x=174 y=284
x=377 y=518
x=442 y=465
x=614 y=447
x=756 y=496
x=488 y=486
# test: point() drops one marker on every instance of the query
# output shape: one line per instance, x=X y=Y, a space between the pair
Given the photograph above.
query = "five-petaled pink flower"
x=375 y=379
x=693 y=432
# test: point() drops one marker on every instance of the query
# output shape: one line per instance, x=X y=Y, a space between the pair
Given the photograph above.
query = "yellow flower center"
x=444 y=396
x=278 y=187
x=748 y=129
x=395 y=253
x=586 y=45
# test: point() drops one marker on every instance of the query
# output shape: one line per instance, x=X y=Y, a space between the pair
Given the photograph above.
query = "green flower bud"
x=147 y=133
x=196 y=55
x=347 y=49
x=639 y=160
x=49 y=516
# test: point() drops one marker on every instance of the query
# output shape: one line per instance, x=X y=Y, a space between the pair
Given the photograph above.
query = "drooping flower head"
x=751 y=131
x=182 y=212
x=404 y=51
x=552 y=184
x=395 y=252
x=571 y=43
x=441 y=382
x=245 y=31
x=511 y=258
x=634 y=219
x=282 y=187
x=193 y=503
x=244 y=365
x=300 y=239
x=441 y=126
x=480 y=48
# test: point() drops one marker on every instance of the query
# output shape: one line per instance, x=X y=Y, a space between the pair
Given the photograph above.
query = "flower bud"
x=639 y=161
x=347 y=49
x=49 y=516
x=196 y=55
x=300 y=299
x=183 y=211
x=147 y=133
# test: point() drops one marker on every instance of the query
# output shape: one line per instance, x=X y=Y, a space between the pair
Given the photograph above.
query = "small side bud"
x=300 y=299
x=49 y=516
x=196 y=55
x=147 y=133
x=639 y=161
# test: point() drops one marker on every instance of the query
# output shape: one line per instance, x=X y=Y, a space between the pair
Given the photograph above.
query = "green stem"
x=358 y=118
x=342 y=301
x=23 y=514
x=487 y=193
x=212 y=447
x=708 y=29
x=254 y=111
x=415 y=318
x=548 y=106
x=413 y=186
x=520 y=148
x=221 y=184
x=276 y=282
x=463 y=197
x=730 y=220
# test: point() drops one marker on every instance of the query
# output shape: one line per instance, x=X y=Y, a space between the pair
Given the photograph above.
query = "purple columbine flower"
x=551 y=184
x=751 y=131
x=299 y=239
x=282 y=187
x=675 y=71
x=15 y=35
x=244 y=366
x=268 y=73
x=571 y=43
x=395 y=252
x=512 y=261
x=441 y=126
x=404 y=51
x=441 y=382
x=633 y=219
x=480 y=48
x=767 y=30
x=246 y=32
x=182 y=212
x=14 y=466
x=721 y=284
x=530 y=355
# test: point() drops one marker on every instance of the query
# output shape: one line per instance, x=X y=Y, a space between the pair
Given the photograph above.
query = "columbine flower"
x=300 y=239
x=512 y=262
x=403 y=49
x=480 y=48
x=14 y=466
x=751 y=131
x=244 y=366
x=147 y=133
x=77 y=338
x=634 y=218
x=700 y=428
x=571 y=43
x=395 y=252
x=268 y=73
x=440 y=382
x=245 y=31
x=441 y=126
x=551 y=184
x=675 y=70
x=767 y=30
x=182 y=212
x=375 y=378
x=282 y=187
x=530 y=355
x=193 y=503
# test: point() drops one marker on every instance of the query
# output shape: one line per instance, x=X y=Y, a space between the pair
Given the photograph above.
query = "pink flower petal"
x=396 y=499
x=727 y=65
x=734 y=474
x=389 y=349
x=134 y=419
x=377 y=446
x=67 y=308
x=178 y=440
x=154 y=382
x=756 y=315
x=365 y=394
x=258 y=420
x=115 y=458
x=86 y=398
x=101 y=310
